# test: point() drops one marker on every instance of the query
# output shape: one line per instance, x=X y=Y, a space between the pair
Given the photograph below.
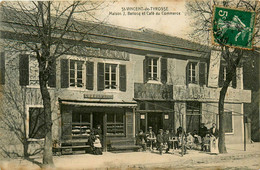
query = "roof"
x=112 y=31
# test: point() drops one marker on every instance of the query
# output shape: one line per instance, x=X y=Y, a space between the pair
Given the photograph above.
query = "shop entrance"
x=97 y=119
x=155 y=120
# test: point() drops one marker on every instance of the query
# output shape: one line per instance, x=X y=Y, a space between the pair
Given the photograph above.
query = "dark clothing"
x=166 y=137
x=150 y=135
x=140 y=139
x=215 y=133
x=160 y=140
x=203 y=131
x=179 y=131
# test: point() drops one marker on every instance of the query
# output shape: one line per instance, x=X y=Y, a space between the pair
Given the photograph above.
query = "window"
x=75 y=73
x=110 y=76
x=223 y=76
x=196 y=73
x=228 y=122
x=80 y=123
x=193 y=116
x=192 y=73
x=36 y=123
x=29 y=71
x=115 y=124
x=153 y=70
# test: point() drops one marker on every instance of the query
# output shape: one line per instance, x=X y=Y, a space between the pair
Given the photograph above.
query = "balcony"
x=153 y=91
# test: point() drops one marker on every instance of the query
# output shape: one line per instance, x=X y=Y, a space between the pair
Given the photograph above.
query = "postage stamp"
x=233 y=27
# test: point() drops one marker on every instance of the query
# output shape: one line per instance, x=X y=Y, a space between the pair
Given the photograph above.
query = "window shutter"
x=187 y=73
x=234 y=80
x=145 y=69
x=52 y=77
x=64 y=65
x=221 y=74
x=24 y=69
x=122 y=77
x=89 y=75
x=2 y=68
x=100 y=77
x=202 y=73
x=164 y=70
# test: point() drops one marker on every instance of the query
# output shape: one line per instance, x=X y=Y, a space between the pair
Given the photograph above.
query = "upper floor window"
x=155 y=69
x=196 y=73
x=111 y=76
x=29 y=71
x=75 y=73
x=223 y=72
x=192 y=72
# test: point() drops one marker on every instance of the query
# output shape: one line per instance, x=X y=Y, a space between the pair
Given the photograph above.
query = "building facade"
x=132 y=80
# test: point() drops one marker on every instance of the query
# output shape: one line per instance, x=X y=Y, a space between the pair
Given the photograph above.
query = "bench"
x=71 y=146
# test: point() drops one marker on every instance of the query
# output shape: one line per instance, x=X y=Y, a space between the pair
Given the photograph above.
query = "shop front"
x=155 y=114
x=78 y=119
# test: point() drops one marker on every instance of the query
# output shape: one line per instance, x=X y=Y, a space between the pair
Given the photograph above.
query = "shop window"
x=228 y=122
x=36 y=123
x=80 y=124
x=193 y=116
x=115 y=124
x=196 y=73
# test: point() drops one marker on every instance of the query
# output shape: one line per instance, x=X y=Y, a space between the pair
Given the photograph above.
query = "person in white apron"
x=214 y=139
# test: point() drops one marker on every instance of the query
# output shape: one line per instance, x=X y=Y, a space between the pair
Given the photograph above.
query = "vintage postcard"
x=129 y=84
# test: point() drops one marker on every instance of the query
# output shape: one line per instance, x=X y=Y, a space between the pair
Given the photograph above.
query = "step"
x=125 y=148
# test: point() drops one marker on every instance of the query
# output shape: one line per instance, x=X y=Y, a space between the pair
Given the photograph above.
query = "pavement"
x=148 y=160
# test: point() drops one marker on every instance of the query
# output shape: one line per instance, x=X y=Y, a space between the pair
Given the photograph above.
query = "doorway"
x=98 y=120
x=155 y=120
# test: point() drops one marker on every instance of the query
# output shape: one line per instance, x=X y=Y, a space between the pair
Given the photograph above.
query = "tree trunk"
x=221 y=144
x=47 y=152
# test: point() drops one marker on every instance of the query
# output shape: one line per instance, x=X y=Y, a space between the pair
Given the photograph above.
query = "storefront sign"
x=142 y=116
x=166 y=117
x=97 y=96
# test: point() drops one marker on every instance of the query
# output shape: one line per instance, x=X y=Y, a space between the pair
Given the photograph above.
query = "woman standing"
x=214 y=139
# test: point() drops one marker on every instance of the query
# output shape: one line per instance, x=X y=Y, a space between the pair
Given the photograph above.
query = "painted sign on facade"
x=214 y=68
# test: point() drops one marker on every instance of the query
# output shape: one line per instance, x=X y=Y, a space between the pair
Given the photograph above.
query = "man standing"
x=202 y=133
x=160 y=140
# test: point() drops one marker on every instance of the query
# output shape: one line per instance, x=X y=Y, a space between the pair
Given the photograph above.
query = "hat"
x=150 y=127
x=160 y=130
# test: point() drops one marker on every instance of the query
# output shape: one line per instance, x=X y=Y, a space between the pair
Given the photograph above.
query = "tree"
x=48 y=30
x=201 y=13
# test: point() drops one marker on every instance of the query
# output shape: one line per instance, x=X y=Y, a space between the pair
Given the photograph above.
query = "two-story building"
x=124 y=80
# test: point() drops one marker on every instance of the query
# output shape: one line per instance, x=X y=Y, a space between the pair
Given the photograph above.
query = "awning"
x=100 y=104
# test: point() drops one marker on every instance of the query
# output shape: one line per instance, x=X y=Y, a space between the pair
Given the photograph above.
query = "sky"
x=168 y=16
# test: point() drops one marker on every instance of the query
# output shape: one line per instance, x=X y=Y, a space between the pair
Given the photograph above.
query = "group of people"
x=164 y=140
x=205 y=139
